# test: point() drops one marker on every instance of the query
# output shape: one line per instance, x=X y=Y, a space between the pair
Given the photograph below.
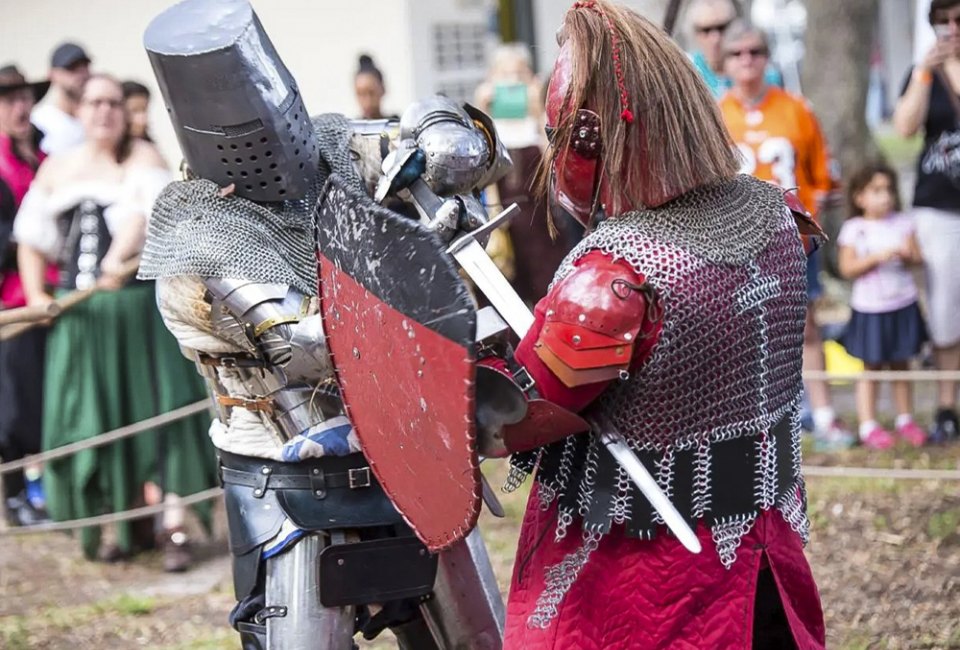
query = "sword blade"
x=473 y=259
x=490 y=498
x=641 y=477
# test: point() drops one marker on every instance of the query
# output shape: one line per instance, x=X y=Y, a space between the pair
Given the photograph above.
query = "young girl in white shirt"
x=877 y=246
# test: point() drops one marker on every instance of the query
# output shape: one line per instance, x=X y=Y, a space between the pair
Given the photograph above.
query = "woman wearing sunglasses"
x=780 y=140
x=708 y=20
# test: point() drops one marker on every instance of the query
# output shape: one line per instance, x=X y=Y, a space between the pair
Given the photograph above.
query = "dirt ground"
x=886 y=555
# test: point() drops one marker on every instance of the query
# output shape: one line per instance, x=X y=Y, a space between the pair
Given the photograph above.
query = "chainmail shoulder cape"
x=195 y=231
x=728 y=222
x=714 y=412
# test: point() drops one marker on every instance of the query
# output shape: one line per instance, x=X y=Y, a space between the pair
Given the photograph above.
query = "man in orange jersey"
x=779 y=140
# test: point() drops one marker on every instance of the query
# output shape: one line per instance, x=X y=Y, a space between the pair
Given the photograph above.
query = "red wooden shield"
x=400 y=325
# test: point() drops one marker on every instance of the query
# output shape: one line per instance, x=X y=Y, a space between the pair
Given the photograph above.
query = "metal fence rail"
x=818 y=471
x=113 y=517
x=884 y=375
x=110 y=436
x=822 y=471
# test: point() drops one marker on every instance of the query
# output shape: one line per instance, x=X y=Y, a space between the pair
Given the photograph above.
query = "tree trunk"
x=836 y=74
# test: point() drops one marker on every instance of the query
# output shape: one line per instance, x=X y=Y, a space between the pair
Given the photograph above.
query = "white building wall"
x=319 y=41
x=548 y=16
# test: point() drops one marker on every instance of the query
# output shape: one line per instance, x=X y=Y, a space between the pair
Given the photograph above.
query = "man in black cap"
x=21 y=358
x=69 y=71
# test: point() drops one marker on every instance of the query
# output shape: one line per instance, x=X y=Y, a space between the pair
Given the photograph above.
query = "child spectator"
x=877 y=246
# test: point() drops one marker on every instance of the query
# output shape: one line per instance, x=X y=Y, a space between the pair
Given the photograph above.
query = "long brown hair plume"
x=662 y=133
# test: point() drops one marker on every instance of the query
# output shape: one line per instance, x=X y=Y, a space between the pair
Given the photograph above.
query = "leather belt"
x=356 y=478
x=233 y=361
x=263 y=405
x=316 y=474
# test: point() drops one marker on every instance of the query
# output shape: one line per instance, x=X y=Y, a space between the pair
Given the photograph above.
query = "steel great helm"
x=236 y=109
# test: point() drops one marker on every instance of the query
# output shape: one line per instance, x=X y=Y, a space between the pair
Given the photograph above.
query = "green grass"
x=13 y=633
x=13 y=628
x=128 y=605
x=942 y=525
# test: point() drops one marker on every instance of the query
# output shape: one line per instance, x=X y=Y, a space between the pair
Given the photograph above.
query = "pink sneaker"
x=878 y=438
x=912 y=433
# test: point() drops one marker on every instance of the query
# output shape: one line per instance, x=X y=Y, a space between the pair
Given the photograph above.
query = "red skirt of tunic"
x=635 y=594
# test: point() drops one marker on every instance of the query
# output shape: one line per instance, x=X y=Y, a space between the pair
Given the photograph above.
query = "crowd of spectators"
x=79 y=175
x=780 y=140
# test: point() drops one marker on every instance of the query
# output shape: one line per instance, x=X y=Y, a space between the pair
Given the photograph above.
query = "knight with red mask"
x=677 y=326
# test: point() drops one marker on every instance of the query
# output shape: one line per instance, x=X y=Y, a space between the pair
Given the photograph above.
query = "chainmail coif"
x=195 y=231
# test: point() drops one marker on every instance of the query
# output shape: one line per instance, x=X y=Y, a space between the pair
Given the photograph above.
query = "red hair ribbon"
x=626 y=114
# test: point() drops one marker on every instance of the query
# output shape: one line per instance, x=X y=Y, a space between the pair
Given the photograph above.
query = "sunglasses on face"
x=706 y=29
x=754 y=52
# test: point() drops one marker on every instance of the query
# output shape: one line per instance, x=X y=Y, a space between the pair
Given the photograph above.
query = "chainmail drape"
x=195 y=231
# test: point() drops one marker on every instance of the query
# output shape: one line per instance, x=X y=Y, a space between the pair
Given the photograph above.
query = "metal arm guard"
x=285 y=352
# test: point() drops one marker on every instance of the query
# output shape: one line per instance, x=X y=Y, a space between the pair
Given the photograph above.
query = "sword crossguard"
x=479 y=233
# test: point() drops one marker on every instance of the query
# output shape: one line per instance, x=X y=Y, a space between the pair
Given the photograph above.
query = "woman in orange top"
x=780 y=140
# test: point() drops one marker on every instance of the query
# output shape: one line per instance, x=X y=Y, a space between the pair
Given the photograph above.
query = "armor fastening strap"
x=316 y=480
x=232 y=361
x=264 y=405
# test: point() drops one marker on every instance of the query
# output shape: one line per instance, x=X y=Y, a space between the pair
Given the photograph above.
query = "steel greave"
x=467 y=611
x=293 y=582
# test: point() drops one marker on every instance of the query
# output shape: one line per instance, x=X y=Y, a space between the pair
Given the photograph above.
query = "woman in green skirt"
x=110 y=360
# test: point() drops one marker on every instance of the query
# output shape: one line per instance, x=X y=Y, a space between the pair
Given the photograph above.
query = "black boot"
x=945 y=427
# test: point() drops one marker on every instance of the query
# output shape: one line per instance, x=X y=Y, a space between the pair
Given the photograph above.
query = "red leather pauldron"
x=593 y=319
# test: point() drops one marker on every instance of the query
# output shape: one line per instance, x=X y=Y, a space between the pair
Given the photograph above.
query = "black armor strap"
x=231 y=361
x=317 y=481
x=316 y=494
x=734 y=488
x=317 y=475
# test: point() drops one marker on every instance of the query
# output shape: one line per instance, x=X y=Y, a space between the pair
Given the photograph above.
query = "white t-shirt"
x=889 y=286
x=61 y=131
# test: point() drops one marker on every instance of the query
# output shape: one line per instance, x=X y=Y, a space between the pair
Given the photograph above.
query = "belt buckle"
x=524 y=380
x=358 y=477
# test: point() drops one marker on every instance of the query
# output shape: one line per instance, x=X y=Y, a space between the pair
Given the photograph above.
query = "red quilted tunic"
x=634 y=594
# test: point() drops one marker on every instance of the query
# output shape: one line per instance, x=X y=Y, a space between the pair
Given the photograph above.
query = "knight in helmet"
x=677 y=326
x=319 y=550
